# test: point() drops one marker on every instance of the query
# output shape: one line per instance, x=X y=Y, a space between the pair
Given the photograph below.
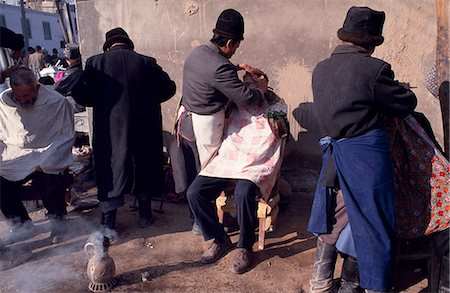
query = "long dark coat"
x=353 y=92
x=125 y=90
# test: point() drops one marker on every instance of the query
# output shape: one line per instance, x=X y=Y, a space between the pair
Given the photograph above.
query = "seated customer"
x=36 y=141
x=250 y=155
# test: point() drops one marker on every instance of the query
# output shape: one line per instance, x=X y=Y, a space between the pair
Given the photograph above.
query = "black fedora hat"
x=363 y=26
x=117 y=35
x=230 y=24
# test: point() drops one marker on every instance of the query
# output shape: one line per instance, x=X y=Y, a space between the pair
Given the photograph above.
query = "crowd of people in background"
x=223 y=118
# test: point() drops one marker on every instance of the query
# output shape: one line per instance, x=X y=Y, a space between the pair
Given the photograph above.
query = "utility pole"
x=25 y=28
x=442 y=64
x=61 y=20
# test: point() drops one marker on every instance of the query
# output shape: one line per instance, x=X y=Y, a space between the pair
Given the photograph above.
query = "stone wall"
x=285 y=38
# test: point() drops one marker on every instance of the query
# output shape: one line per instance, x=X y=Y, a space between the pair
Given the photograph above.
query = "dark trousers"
x=201 y=196
x=50 y=187
x=191 y=162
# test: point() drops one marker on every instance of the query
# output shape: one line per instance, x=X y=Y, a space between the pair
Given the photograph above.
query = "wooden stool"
x=267 y=213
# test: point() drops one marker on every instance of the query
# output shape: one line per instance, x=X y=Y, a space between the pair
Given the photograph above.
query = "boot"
x=350 y=276
x=323 y=268
x=145 y=213
x=109 y=219
x=57 y=224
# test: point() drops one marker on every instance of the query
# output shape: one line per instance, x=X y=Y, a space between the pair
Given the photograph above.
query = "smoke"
x=34 y=264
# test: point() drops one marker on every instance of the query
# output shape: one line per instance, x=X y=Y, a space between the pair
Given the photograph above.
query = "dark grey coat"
x=125 y=90
x=210 y=80
x=353 y=92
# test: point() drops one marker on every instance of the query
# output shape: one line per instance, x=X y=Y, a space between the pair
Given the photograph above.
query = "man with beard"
x=36 y=141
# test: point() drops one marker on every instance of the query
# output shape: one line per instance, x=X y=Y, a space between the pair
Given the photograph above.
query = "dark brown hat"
x=230 y=24
x=363 y=26
x=117 y=35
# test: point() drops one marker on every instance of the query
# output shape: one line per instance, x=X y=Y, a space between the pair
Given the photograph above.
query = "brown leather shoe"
x=242 y=261
x=216 y=251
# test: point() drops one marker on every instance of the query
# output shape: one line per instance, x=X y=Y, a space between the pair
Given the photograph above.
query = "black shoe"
x=57 y=223
x=109 y=219
x=145 y=213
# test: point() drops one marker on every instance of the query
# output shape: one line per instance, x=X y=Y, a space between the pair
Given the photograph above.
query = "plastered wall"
x=285 y=38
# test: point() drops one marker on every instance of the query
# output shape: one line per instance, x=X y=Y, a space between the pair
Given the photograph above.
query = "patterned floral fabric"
x=422 y=199
x=252 y=146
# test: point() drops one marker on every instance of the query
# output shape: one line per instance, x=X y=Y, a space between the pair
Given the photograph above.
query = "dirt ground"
x=169 y=252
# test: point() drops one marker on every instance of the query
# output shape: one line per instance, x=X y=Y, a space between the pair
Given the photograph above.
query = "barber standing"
x=210 y=81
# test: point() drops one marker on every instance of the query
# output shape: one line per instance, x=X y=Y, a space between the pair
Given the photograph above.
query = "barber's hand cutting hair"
x=261 y=82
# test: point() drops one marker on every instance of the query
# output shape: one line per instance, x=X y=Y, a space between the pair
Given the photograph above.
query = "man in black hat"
x=210 y=82
x=353 y=93
x=126 y=90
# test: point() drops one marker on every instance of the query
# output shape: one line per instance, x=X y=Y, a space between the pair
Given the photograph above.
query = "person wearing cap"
x=70 y=76
x=353 y=93
x=126 y=90
x=207 y=88
x=210 y=81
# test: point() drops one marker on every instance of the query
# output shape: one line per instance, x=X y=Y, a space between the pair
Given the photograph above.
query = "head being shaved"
x=24 y=87
x=23 y=76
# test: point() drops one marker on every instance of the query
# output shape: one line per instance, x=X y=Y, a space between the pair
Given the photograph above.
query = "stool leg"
x=261 y=233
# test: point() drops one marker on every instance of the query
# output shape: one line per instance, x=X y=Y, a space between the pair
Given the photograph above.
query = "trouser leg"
x=244 y=194
x=145 y=208
x=201 y=195
x=109 y=211
x=323 y=268
x=52 y=188
x=10 y=201
x=350 y=276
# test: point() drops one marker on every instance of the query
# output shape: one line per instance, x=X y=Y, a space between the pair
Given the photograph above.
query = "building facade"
x=41 y=28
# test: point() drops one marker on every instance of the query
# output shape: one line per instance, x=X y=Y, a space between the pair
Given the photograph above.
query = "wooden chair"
x=267 y=212
x=419 y=249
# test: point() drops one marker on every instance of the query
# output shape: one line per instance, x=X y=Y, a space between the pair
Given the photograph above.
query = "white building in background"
x=42 y=28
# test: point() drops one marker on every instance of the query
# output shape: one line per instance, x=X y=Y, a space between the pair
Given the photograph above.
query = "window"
x=47 y=32
x=2 y=20
x=27 y=28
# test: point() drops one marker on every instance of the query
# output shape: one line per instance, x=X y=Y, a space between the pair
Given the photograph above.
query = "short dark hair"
x=221 y=40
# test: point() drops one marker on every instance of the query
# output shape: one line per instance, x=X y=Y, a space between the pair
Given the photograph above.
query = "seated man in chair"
x=36 y=138
x=250 y=155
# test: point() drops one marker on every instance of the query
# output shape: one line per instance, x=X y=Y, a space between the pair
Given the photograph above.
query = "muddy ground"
x=168 y=252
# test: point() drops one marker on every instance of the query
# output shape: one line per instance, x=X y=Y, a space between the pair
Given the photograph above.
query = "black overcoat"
x=125 y=90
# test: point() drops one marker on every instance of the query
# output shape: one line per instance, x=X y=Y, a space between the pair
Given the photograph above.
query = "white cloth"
x=208 y=131
x=39 y=137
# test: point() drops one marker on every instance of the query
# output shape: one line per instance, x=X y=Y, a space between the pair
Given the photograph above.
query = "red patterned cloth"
x=422 y=199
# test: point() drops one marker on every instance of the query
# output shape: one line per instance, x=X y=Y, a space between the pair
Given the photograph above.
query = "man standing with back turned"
x=353 y=92
x=126 y=90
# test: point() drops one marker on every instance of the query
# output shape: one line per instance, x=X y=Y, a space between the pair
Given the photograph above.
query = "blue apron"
x=364 y=171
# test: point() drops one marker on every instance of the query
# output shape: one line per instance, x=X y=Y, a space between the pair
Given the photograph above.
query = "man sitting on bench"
x=36 y=139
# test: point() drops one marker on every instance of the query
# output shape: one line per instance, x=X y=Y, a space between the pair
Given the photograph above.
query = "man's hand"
x=250 y=69
x=7 y=72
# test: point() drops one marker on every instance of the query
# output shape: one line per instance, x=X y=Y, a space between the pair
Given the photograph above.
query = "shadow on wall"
x=304 y=151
